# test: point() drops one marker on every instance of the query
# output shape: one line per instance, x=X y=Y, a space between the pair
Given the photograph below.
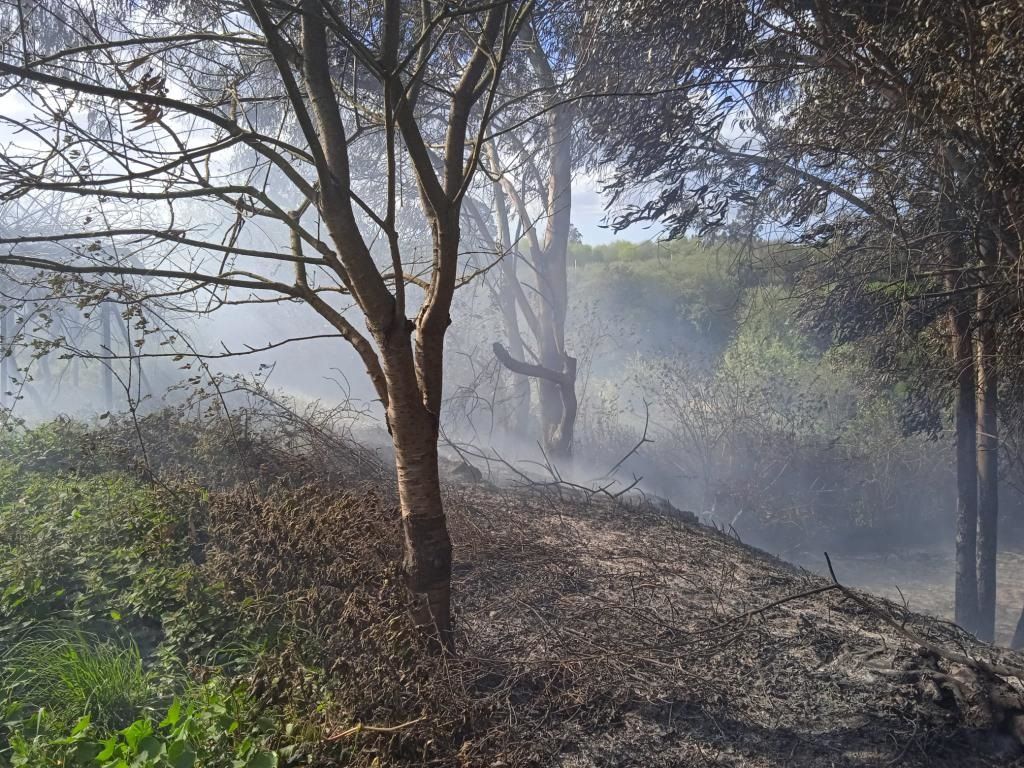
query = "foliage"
x=661 y=298
x=213 y=725
x=69 y=676
x=109 y=611
x=93 y=551
x=791 y=438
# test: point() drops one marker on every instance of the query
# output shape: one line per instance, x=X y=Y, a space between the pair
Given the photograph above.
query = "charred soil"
x=592 y=633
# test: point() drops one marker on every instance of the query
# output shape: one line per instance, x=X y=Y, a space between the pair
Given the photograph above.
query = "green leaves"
x=173 y=715
x=218 y=728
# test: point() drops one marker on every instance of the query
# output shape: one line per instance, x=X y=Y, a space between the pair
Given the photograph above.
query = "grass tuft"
x=71 y=675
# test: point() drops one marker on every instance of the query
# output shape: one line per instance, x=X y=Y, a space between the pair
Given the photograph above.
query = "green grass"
x=103 y=611
x=71 y=675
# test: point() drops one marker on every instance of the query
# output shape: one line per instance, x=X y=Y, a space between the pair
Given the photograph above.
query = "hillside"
x=590 y=632
x=646 y=636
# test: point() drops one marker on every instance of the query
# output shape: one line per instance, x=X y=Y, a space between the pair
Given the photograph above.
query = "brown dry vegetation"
x=589 y=634
x=923 y=580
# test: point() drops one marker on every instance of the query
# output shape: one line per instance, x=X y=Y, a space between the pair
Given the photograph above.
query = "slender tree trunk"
x=5 y=372
x=965 y=417
x=988 y=468
x=570 y=407
x=965 y=425
x=549 y=393
x=520 y=421
x=519 y=410
x=107 y=371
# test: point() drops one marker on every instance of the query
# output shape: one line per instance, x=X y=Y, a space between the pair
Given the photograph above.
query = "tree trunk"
x=549 y=393
x=428 y=548
x=5 y=365
x=988 y=468
x=105 y=344
x=519 y=405
x=567 y=427
x=520 y=411
x=1017 y=643
x=965 y=425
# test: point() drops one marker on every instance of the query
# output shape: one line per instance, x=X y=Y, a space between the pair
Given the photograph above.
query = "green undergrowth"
x=118 y=645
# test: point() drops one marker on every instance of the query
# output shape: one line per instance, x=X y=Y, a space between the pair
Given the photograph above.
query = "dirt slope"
x=607 y=636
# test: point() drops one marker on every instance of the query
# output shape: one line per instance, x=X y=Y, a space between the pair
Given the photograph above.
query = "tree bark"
x=988 y=468
x=105 y=343
x=965 y=425
x=1017 y=643
x=556 y=372
x=520 y=411
x=427 y=545
x=5 y=364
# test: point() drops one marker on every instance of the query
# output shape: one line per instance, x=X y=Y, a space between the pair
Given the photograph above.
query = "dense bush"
x=793 y=441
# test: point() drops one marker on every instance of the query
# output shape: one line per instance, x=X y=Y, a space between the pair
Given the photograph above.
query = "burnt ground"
x=596 y=634
x=923 y=579
x=630 y=616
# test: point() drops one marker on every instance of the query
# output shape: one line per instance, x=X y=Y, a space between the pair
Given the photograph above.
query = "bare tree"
x=194 y=139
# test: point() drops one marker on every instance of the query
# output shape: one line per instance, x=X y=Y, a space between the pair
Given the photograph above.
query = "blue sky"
x=588 y=214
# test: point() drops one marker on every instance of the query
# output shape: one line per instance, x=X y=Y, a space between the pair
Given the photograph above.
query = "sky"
x=588 y=214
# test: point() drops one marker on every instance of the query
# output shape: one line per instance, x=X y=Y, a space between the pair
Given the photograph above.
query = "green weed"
x=70 y=675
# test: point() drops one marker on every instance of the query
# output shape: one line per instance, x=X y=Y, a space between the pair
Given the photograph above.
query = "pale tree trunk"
x=519 y=405
x=555 y=371
x=988 y=468
x=105 y=344
x=520 y=410
x=965 y=425
x=5 y=362
x=1017 y=643
x=552 y=266
x=549 y=394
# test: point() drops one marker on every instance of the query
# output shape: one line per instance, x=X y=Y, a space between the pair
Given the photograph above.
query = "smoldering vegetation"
x=701 y=382
x=238 y=587
x=334 y=430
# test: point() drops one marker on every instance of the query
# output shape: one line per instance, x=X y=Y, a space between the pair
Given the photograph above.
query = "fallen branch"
x=978 y=665
x=359 y=727
x=775 y=604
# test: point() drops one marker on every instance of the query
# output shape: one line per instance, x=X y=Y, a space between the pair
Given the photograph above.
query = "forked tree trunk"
x=427 y=545
x=555 y=370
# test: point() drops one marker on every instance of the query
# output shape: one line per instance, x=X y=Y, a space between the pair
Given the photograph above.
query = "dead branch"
x=978 y=665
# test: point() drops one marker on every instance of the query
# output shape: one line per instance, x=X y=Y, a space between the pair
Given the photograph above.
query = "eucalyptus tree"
x=883 y=138
x=530 y=163
x=219 y=145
